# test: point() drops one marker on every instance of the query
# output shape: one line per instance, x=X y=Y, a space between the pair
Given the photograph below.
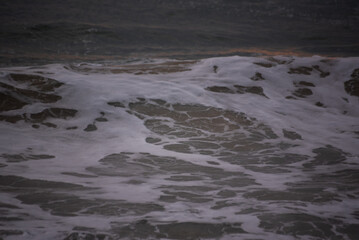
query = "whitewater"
x=218 y=148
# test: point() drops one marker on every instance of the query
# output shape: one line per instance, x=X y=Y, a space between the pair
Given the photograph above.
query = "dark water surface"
x=52 y=31
x=149 y=127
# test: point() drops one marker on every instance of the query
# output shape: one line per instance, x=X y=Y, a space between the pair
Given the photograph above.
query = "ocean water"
x=42 y=32
x=218 y=148
x=179 y=119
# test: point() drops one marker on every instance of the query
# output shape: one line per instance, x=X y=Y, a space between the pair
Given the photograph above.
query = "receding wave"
x=217 y=148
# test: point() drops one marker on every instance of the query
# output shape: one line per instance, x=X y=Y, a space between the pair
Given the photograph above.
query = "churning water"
x=136 y=119
x=220 y=148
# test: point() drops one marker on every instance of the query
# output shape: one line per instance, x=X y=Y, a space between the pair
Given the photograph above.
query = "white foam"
x=89 y=93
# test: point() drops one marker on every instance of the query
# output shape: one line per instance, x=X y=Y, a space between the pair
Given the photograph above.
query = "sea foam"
x=229 y=147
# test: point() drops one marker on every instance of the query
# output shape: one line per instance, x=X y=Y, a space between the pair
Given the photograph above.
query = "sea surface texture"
x=179 y=119
x=217 y=148
x=42 y=31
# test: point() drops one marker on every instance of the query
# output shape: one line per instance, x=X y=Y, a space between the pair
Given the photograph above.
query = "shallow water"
x=219 y=148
